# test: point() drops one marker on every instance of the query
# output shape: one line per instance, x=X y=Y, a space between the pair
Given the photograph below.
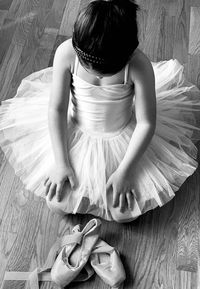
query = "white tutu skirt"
x=165 y=165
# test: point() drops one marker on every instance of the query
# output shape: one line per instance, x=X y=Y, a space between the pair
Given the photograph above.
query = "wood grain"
x=160 y=249
x=182 y=32
x=7 y=72
x=3 y=15
x=187 y=242
x=194 y=37
x=69 y=17
x=5 y=4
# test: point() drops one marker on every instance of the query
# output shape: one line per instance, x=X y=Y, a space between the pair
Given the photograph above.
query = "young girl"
x=86 y=134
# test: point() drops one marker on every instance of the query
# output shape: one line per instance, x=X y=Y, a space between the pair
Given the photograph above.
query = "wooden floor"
x=160 y=250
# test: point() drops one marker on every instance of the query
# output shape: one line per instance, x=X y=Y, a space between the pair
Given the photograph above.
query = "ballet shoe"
x=106 y=262
x=86 y=273
x=73 y=257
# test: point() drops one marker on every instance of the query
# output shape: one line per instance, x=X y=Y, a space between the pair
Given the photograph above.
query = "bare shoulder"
x=65 y=55
x=140 y=67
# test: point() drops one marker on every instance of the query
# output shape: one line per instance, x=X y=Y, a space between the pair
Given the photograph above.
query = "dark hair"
x=106 y=30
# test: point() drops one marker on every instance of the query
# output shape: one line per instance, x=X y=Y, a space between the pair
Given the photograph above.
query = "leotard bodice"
x=101 y=109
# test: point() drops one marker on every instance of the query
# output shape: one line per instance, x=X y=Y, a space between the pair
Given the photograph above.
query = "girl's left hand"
x=122 y=187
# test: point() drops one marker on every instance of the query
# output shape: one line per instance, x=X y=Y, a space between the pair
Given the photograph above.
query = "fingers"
x=108 y=186
x=126 y=201
x=123 y=200
x=122 y=203
x=52 y=191
x=115 y=198
x=115 y=195
x=129 y=199
x=73 y=181
x=47 y=186
x=45 y=180
x=59 y=191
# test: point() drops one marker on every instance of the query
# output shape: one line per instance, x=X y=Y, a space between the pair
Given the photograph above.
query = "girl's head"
x=105 y=35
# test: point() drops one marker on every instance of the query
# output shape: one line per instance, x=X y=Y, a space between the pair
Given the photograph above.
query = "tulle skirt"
x=165 y=165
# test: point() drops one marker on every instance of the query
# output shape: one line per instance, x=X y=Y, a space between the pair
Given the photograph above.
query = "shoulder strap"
x=76 y=65
x=126 y=73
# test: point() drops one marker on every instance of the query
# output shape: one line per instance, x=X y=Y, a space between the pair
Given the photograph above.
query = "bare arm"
x=58 y=106
x=145 y=110
x=61 y=170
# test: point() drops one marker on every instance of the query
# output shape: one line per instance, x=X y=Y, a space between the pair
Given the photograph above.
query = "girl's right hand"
x=55 y=180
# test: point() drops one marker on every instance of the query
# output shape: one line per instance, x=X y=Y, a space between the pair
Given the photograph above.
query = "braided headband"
x=88 y=57
x=94 y=59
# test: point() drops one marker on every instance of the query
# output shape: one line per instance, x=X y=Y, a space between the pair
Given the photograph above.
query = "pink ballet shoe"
x=74 y=248
x=87 y=271
x=106 y=262
x=74 y=256
x=85 y=274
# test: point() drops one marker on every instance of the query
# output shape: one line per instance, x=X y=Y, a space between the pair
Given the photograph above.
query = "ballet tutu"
x=167 y=162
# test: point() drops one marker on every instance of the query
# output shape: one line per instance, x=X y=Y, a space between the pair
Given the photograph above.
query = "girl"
x=86 y=133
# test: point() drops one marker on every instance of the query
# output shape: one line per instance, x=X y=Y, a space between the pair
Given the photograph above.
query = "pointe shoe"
x=74 y=256
x=106 y=262
x=85 y=274
x=87 y=271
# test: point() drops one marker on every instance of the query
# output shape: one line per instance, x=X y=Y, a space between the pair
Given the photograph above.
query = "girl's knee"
x=120 y=217
x=55 y=206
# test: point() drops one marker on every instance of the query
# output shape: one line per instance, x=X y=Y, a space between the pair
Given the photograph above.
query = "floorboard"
x=160 y=249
